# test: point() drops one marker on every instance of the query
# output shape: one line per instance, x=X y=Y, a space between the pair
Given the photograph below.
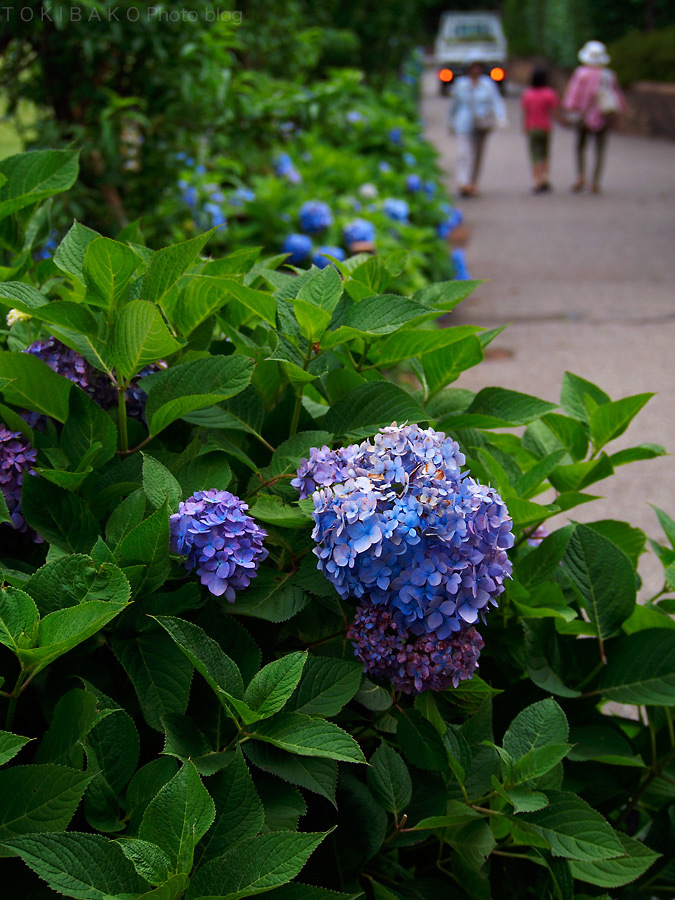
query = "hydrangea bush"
x=244 y=634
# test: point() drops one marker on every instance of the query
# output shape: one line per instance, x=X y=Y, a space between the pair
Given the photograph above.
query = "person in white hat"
x=591 y=103
x=476 y=106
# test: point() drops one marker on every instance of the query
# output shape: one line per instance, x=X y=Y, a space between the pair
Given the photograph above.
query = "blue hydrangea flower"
x=284 y=167
x=409 y=159
x=413 y=664
x=358 y=231
x=299 y=246
x=241 y=196
x=458 y=257
x=368 y=191
x=396 y=136
x=398 y=210
x=17 y=458
x=430 y=188
x=354 y=116
x=315 y=216
x=399 y=524
x=49 y=246
x=384 y=167
x=215 y=214
x=319 y=259
x=414 y=183
x=224 y=544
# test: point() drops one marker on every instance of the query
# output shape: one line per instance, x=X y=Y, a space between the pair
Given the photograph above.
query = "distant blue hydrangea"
x=46 y=251
x=358 y=231
x=189 y=193
x=458 y=257
x=412 y=663
x=430 y=188
x=384 y=167
x=285 y=168
x=319 y=259
x=216 y=215
x=354 y=117
x=409 y=159
x=455 y=218
x=396 y=136
x=287 y=128
x=241 y=196
x=397 y=523
x=299 y=246
x=414 y=183
x=368 y=191
x=315 y=216
x=224 y=544
x=398 y=210
x=17 y=459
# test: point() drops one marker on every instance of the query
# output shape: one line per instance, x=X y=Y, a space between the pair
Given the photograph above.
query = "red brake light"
x=446 y=75
x=497 y=74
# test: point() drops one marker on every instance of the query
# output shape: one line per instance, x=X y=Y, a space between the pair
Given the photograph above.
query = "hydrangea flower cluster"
x=455 y=217
x=396 y=136
x=299 y=246
x=430 y=188
x=354 y=117
x=285 y=168
x=412 y=664
x=368 y=191
x=414 y=183
x=358 y=231
x=315 y=216
x=241 y=196
x=16 y=458
x=319 y=259
x=398 y=523
x=398 y=210
x=224 y=544
x=384 y=167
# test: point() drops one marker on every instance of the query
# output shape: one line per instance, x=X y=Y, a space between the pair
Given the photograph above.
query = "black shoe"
x=546 y=187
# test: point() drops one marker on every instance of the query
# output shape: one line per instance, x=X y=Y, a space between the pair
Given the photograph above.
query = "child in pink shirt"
x=539 y=102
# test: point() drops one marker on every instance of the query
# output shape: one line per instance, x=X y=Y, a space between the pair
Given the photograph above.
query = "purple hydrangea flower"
x=315 y=216
x=398 y=210
x=413 y=664
x=414 y=183
x=396 y=521
x=358 y=231
x=225 y=545
x=17 y=457
x=319 y=259
x=299 y=246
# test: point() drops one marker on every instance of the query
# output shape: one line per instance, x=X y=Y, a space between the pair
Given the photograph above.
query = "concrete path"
x=588 y=285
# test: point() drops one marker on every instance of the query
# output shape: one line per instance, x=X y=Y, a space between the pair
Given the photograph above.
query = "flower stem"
x=13 y=698
x=122 y=418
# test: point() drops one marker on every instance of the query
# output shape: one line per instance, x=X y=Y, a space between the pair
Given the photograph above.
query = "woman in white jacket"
x=476 y=106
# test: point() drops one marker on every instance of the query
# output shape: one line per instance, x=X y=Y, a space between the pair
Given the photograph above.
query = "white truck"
x=465 y=35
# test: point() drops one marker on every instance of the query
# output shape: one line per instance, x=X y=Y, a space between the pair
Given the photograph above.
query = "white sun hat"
x=594 y=53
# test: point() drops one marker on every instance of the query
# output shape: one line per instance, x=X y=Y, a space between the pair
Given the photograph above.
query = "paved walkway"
x=588 y=285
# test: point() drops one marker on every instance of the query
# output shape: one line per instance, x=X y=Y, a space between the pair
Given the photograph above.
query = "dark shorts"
x=538 y=141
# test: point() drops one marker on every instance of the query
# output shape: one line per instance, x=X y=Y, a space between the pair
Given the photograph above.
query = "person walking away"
x=476 y=106
x=592 y=102
x=538 y=103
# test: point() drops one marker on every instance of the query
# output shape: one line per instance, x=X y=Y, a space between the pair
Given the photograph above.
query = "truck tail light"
x=497 y=74
x=446 y=75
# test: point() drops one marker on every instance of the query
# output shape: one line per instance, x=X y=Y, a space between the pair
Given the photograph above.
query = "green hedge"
x=640 y=56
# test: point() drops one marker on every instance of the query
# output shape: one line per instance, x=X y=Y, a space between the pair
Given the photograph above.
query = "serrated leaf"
x=573 y=829
x=178 y=817
x=19 y=618
x=58 y=516
x=389 y=780
x=371 y=406
x=168 y=264
x=83 y=866
x=308 y=736
x=614 y=873
x=641 y=669
x=573 y=392
x=159 y=484
x=536 y=726
x=509 y=406
x=108 y=268
x=271 y=596
x=69 y=255
x=326 y=686
x=10 y=744
x=147 y=545
x=206 y=655
x=442 y=367
x=32 y=385
x=610 y=420
x=239 y=812
x=35 y=175
x=87 y=425
x=140 y=336
x=76 y=579
x=194 y=386
x=160 y=673
x=315 y=774
x=409 y=343
x=39 y=798
x=254 y=866
x=420 y=742
x=149 y=861
x=603 y=578
x=273 y=685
